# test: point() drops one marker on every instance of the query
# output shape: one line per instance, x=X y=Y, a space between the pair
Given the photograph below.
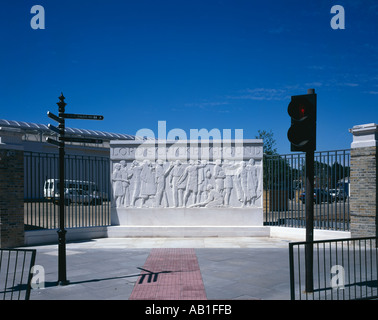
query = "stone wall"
x=197 y=184
x=363 y=181
x=11 y=198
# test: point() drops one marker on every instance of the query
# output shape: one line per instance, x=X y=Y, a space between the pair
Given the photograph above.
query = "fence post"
x=11 y=188
x=363 y=180
x=309 y=221
x=291 y=265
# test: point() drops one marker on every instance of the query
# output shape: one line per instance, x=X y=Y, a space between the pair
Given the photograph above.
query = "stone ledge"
x=50 y=236
x=299 y=234
x=155 y=217
x=187 y=231
x=41 y=237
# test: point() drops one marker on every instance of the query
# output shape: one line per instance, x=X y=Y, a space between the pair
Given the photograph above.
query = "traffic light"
x=302 y=133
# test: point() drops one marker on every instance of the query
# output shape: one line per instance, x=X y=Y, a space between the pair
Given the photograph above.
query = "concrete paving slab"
x=231 y=268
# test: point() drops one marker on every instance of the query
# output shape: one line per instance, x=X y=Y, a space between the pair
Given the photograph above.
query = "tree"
x=276 y=169
x=269 y=142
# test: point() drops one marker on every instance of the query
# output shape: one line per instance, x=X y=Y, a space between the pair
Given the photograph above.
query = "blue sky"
x=228 y=64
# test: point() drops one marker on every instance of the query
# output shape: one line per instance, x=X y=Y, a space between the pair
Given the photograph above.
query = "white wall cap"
x=364 y=135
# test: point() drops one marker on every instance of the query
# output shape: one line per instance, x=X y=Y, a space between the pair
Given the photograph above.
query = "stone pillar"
x=11 y=188
x=363 y=180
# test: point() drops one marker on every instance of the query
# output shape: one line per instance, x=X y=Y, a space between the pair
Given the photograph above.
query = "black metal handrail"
x=343 y=269
x=16 y=273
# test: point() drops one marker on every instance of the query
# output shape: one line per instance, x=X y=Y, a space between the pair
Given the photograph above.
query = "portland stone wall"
x=187 y=187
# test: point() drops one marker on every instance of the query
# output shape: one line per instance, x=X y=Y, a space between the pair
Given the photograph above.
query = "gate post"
x=11 y=188
x=363 y=180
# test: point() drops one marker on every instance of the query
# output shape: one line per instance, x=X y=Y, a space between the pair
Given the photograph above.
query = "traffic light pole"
x=309 y=216
x=309 y=220
x=302 y=136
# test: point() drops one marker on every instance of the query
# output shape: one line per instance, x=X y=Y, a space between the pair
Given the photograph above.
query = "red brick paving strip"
x=175 y=276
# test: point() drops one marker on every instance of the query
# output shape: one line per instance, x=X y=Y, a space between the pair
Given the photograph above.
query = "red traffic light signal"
x=302 y=133
x=298 y=109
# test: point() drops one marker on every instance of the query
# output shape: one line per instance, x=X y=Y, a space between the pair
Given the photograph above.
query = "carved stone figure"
x=161 y=174
x=248 y=176
x=177 y=188
x=117 y=184
x=252 y=181
x=219 y=176
x=125 y=199
x=191 y=173
x=237 y=185
x=135 y=172
x=147 y=177
x=229 y=171
x=214 y=199
x=243 y=178
x=204 y=175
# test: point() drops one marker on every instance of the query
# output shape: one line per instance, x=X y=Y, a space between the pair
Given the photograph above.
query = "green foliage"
x=288 y=171
x=269 y=142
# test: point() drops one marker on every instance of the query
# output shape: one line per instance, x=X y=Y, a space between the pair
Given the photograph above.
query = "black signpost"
x=82 y=140
x=83 y=116
x=60 y=143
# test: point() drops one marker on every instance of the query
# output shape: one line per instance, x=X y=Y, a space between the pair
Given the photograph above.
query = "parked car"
x=80 y=196
x=338 y=194
x=320 y=195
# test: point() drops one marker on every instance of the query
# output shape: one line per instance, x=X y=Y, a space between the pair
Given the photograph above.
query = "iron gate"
x=284 y=185
x=87 y=191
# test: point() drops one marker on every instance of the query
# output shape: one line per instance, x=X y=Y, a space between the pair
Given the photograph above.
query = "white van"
x=74 y=190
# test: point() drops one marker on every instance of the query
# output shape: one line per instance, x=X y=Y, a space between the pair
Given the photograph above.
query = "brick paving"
x=170 y=274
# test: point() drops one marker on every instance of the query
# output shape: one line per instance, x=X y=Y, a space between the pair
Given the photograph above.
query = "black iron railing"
x=343 y=269
x=284 y=190
x=16 y=273
x=87 y=191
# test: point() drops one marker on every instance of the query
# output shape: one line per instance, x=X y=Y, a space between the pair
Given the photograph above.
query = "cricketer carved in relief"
x=187 y=184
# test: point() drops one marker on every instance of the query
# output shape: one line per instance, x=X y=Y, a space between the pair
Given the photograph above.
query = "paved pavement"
x=112 y=269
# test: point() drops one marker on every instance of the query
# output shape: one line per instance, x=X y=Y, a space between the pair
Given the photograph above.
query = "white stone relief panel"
x=187 y=181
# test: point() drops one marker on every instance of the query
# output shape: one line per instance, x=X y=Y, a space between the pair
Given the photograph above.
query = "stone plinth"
x=188 y=217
